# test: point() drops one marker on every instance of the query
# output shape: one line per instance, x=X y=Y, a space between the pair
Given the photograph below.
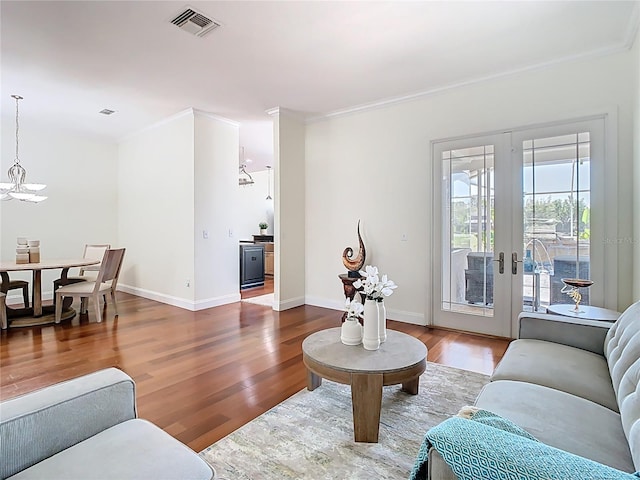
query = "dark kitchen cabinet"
x=251 y=265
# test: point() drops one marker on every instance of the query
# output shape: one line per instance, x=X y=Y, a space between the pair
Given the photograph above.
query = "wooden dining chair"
x=3 y=311
x=105 y=283
x=18 y=285
x=94 y=252
x=91 y=251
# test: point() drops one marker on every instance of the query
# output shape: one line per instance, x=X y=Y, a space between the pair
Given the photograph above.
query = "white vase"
x=370 y=337
x=382 y=321
x=351 y=332
x=263 y=231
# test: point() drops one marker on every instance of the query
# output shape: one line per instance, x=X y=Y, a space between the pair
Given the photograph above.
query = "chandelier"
x=16 y=187
x=244 y=177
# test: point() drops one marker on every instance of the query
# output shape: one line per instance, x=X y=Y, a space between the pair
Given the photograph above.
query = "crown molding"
x=285 y=112
x=273 y=111
x=164 y=121
x=633 y=26
x=183 y=113
x=621 y=47
x=213 y=116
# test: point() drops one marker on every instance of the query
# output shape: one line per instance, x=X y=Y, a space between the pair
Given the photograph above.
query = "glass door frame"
x=603 y=219
x=499 y=322
x=599 y=204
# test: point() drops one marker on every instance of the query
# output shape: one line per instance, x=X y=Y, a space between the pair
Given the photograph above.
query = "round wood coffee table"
x=401 y=359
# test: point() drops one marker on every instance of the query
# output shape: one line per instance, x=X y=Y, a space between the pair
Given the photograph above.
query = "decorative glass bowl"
x=571 y=288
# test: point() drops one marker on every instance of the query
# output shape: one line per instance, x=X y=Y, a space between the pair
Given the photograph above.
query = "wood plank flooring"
x=200 y=375
x=257 y=291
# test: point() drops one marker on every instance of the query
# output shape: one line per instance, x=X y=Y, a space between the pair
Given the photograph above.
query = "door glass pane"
x=467 y=243
x=557 y=198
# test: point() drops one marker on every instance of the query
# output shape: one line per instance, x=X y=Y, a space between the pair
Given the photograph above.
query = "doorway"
x=517 y=216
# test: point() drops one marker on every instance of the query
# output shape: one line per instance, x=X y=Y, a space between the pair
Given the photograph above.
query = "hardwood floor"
x=257 y=291
x=200 y=375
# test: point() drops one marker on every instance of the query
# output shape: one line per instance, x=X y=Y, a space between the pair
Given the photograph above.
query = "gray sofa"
x=573 y=384
x=86 y=428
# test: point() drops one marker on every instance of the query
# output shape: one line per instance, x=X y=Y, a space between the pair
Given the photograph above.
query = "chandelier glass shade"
x=244 y=177
x=17 y=187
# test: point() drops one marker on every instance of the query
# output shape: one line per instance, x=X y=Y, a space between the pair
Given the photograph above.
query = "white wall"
x=216 y=264
x=253 y=207
x=81 y=176
x=636 y=169
x=375 y=166
x=156 y=213
x=289 y=247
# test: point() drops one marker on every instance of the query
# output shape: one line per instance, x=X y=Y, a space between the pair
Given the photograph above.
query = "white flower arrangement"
x=372 y=286
x=354 y=309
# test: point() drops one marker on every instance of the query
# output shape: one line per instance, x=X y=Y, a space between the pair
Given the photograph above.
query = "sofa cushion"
x=622 y=349
x=135 y=449
x=39 y=424
x=561 y=420
x=558 y=366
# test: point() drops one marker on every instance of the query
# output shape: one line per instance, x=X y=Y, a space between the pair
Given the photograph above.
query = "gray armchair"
x=87 y=428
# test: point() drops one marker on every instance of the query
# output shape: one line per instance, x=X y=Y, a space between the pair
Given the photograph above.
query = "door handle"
x=514 y=263
x=500 y=261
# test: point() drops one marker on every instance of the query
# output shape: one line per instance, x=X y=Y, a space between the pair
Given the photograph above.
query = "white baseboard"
x=392 y=314
x=406 y=317
x=180 y=302
x=289 y=303
x=324 y=302
x=217 y=301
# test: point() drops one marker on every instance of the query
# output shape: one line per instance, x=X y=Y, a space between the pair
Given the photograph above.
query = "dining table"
x=37 y=314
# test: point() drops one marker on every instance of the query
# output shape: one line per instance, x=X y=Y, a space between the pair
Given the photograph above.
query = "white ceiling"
x=72 y=59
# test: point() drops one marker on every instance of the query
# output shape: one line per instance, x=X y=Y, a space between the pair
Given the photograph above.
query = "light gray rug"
x=310 y=435
x=266 y=300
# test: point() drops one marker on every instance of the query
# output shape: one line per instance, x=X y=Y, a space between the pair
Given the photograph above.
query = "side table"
x=588 y=312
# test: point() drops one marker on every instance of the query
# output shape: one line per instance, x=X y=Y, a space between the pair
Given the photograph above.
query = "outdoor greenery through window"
x=557 y=214
x=469 y=240
x=556 y=196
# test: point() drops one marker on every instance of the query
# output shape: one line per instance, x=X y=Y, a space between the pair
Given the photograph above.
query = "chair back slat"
x=95 y=252
x=110 y=266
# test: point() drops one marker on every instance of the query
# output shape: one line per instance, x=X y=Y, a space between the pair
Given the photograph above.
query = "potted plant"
x=375 y=313
x=263 y=227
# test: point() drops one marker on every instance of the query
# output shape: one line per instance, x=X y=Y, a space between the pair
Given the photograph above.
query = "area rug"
x=266 y=300
x=310 y=435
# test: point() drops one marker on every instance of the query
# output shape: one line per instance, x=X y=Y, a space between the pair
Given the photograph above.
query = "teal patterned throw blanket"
x=484 y=446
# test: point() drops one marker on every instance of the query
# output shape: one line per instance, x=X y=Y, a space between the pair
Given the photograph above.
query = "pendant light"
x=269 y=197
x=244 y=178
x=16 y=187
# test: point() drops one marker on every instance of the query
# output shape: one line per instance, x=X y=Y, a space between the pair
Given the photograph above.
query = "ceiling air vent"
x=195 y=22
x=106 y=111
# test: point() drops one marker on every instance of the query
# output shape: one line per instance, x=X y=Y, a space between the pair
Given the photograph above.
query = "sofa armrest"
x=575 y=332
x=437 y=468
x=40 y=424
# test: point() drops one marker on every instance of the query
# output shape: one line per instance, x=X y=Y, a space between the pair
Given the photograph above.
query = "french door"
x=517 y=214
